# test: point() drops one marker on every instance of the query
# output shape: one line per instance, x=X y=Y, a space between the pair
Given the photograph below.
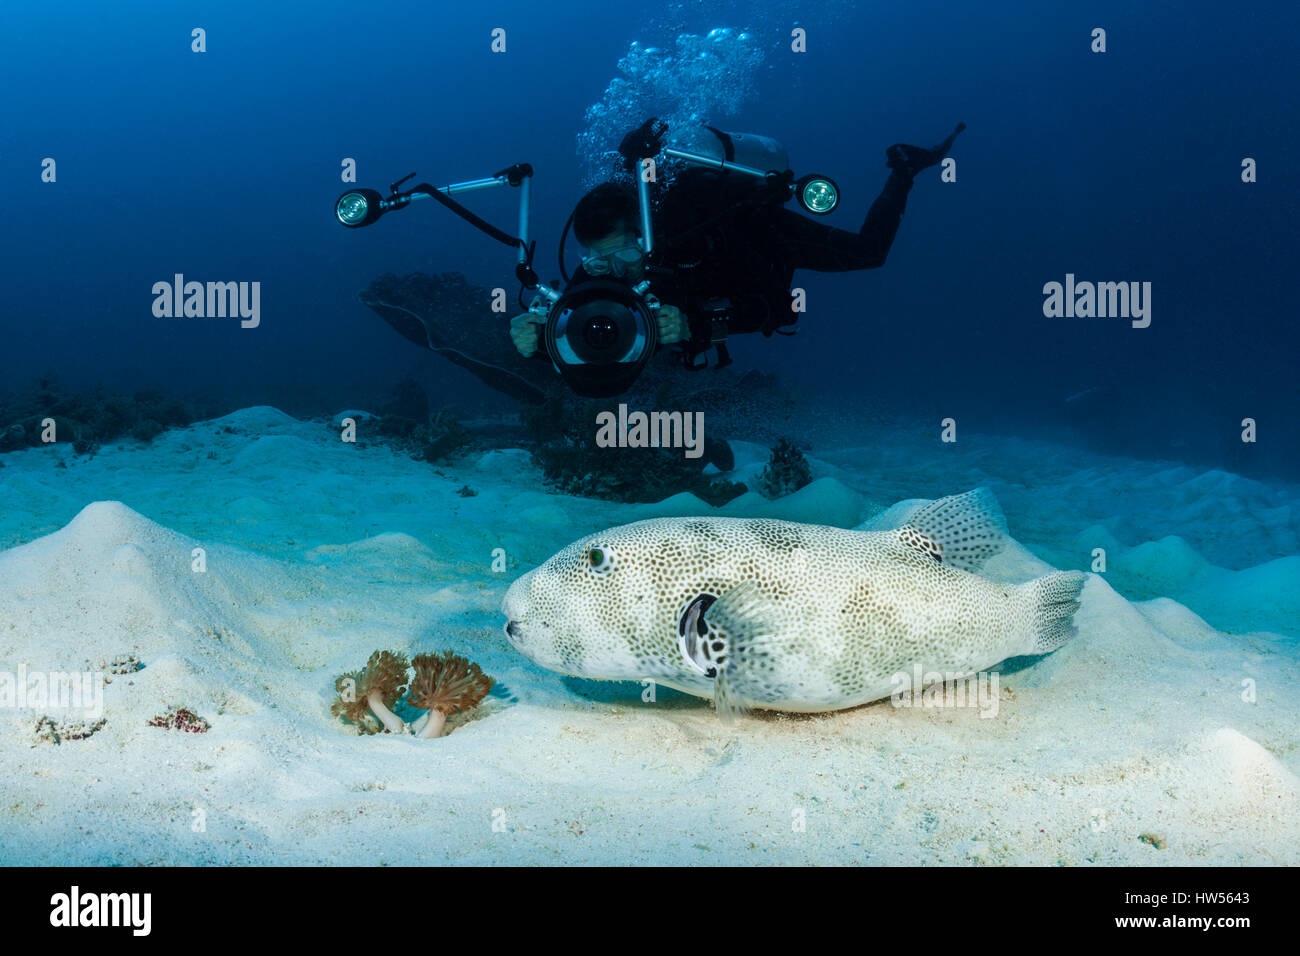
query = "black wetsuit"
x=726 y=248
x=718 y=236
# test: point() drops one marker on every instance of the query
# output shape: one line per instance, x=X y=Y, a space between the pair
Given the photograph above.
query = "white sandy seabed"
x=1159 y=735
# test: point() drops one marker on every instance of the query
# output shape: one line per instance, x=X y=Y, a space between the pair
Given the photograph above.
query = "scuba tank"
x=758 y=170
x=761 y=153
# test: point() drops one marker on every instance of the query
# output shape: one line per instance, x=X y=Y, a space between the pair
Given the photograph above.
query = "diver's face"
x=616 y=254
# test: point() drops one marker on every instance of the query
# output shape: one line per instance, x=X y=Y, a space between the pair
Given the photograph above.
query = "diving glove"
x=643 y=142
x=910 y=160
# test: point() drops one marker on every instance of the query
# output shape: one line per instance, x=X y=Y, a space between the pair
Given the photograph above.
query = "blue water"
x=1117 y=166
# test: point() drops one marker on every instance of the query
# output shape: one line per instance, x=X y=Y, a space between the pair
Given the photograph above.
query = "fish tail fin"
x=1053 y=599
x=743 y=620
x=966 y=529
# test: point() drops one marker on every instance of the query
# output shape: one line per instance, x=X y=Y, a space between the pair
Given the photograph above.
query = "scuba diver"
x=710 y=254
x=725 y=248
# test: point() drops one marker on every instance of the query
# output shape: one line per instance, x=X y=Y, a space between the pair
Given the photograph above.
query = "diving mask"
x=616 y=262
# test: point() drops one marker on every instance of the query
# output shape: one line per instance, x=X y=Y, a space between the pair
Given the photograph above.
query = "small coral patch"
x=178 y=718
x=49 y=730
x=786 y=471
x=445 y=683
x=366 y=697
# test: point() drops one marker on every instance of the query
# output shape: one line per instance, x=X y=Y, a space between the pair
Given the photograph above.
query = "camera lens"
x=600 y=332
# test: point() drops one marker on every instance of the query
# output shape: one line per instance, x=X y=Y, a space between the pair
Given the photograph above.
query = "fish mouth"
x=513 y=632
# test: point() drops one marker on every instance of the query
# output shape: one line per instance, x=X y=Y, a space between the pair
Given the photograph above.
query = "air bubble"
x=702 y=79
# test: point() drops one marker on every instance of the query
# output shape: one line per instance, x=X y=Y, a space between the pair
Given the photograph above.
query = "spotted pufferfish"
x=760 y=613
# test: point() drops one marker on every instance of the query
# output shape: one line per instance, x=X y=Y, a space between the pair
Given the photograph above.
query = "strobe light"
x=359 y=207
x=818 y=194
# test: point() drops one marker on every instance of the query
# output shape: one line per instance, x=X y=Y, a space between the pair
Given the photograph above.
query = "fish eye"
x=600 y=559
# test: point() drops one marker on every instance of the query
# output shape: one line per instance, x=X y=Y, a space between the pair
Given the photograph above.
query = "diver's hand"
x=912 y=159
x=644 y=141
x=524 y=332
x=672 y=325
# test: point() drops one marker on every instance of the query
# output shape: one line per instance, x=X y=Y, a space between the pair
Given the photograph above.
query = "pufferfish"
x=760 y=613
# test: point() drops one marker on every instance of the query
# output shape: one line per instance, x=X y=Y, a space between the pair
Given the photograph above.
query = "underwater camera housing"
x=600 y=333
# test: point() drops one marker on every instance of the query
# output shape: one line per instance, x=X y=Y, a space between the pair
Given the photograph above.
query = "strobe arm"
x=361 y=207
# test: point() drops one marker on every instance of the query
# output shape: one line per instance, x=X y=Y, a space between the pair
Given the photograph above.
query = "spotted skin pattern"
x=829 y=616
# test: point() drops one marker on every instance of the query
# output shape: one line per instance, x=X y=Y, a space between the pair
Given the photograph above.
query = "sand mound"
x=1154 y=737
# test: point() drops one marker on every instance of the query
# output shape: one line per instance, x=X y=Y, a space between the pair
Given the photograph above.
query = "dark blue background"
x=1122 y=166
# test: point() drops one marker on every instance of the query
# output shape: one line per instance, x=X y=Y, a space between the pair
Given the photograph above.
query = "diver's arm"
x=808 y=244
